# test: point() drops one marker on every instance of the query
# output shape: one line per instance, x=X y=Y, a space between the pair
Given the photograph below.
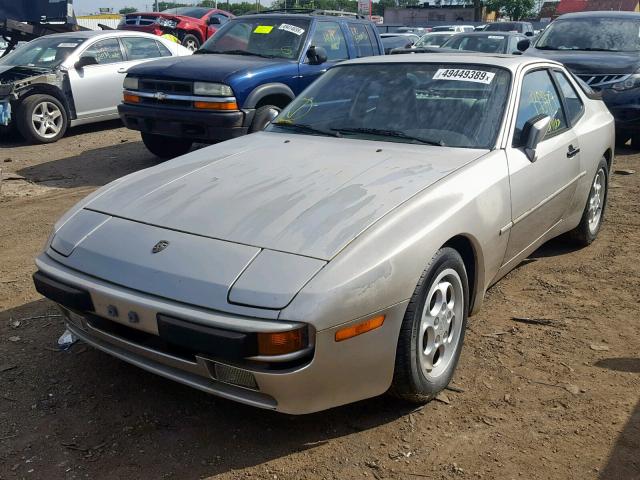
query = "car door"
x=97 y=89
x=542 y=190
x=328 y=35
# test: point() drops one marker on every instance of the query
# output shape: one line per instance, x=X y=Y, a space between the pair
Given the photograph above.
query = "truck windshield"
x=45 y=52
x=592 y=33
x=454 y=105
x=270 y=37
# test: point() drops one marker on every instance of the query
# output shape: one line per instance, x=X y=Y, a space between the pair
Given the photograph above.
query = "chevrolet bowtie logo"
x=160 y=96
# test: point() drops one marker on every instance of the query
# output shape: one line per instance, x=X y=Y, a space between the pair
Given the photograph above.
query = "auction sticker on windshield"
x=263 y=29
x=291 y=28
x=464 y=75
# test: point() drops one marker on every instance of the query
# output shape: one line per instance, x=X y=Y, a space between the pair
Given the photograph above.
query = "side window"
x=361 y=39
x=164 y=51
x=539 y=97
x=105 y=51
x=572 y=100
x=140 y=48
x=329 y=36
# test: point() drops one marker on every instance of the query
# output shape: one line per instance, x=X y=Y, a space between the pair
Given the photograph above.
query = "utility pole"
x=157 y=7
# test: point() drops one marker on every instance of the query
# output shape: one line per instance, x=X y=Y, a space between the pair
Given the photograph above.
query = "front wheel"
x=191 y=42
x=262 y=117
x=593 y=214
x=42 y=119
x=433 y=328
x=166 y=147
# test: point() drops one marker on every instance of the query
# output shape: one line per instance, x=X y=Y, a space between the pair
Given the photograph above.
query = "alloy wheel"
x=596 y=200
x=47 y=119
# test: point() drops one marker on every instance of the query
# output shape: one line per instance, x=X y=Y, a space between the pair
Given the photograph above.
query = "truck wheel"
x=262 y=117
x=42 y=119
x=191 y=42
x=166 y=147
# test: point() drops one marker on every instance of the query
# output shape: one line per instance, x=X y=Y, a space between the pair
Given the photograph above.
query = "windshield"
x=432 y=40
x=423 y=103
x=265 y=37
x=477 y=43
x=593 y=33
x=45 y=52
x=194 y=12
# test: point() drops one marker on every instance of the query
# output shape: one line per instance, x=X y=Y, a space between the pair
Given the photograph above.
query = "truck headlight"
x=212 y=89
x=165 y=22
x=130 y=83
x=632 y=81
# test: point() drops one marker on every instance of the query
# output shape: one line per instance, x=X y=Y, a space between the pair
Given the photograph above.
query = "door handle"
x=122 y=70
x=572 y=152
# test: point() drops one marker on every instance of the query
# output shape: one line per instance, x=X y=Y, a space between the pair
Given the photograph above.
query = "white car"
x=433 y=39
x=67 y=79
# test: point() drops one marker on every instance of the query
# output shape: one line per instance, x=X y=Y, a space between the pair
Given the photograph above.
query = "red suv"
x=191 y=25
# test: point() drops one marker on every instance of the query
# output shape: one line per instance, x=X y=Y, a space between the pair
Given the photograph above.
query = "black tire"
x=409 y=379
x=166 y=147
x=191 y=42
x=263 y=116
x=584 y=234
x=54 y=122
x=635 y=140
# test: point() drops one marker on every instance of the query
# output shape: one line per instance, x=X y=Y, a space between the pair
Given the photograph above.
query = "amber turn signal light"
x=281 y=343
x=216 y=105
x=129 y=98
x=359 y=328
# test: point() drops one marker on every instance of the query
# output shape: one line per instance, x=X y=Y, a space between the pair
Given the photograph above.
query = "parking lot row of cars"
x=336 y=253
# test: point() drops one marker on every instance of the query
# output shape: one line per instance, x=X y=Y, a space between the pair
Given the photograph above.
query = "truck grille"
x=599 y=81
x=165 y=86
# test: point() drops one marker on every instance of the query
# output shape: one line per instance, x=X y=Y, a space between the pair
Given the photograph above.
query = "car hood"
x=585 y=62
x=204 y=67
x=299 y=194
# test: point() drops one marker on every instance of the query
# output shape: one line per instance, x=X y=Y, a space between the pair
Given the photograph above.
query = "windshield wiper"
x=234 y=52
x=389 y=133
x=546 y=47
x=305 y=128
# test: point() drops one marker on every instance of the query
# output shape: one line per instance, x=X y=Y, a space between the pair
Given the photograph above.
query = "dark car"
x=240 y=79
x=485 y=42
x=191 y=25
x=524 y=28
x=603 y=50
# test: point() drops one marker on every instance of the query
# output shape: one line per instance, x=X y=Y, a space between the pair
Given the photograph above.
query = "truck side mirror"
x=523 y=44
x=533 y=132
x=85 y=61
x=316 y=55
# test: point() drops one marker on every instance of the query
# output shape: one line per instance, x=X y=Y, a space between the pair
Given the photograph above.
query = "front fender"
x=265 y=90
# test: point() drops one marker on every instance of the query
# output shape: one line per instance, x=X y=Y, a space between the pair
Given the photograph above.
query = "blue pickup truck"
x=240 y=79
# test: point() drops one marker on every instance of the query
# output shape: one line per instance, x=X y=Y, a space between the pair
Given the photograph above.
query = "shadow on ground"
x=9 y=137
x=95 y=167
x=624 y=460
x=107 y=412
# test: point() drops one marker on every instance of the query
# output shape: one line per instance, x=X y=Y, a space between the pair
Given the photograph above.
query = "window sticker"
x=291 y=29
x=464 y=75
x=68 y=45
x=263 y=29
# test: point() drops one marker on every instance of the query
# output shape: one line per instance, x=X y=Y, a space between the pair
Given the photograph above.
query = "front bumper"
x=624 y=106
x=193 y=124
x=331 y=374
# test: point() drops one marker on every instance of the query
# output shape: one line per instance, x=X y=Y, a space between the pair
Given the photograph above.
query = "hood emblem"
x=160 y=246
x=160 y=96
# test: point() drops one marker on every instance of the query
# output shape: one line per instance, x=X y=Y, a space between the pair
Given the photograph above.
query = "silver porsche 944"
x=336 y=255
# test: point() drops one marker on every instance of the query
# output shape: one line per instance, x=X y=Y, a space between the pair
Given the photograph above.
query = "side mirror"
x=85 y=61
x=214 y=21
x=316 y=55
x=533 y=132
x=523 y=44
x=528 y=34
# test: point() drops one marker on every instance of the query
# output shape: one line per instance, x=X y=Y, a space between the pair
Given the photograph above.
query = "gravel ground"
x=557 y=398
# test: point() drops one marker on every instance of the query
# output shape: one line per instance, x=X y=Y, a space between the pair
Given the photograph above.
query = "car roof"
x=100 y=33
x=491 y=33
x=344 y=18
x=511 y=62
x=604 y=13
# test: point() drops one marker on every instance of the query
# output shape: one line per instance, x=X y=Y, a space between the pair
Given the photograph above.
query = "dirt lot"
x=554 y=399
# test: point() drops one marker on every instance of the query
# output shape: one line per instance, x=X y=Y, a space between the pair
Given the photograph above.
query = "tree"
x=125 y=10
x=514 y=9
